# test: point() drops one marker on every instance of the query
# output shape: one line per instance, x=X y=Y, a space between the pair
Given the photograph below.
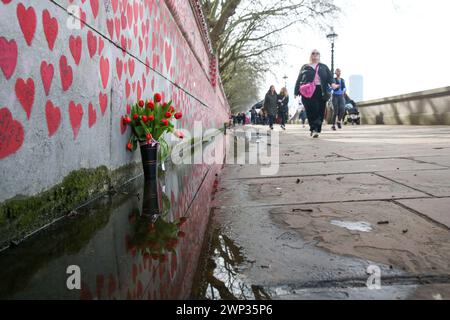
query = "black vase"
x=149 y=154
x=151 y=205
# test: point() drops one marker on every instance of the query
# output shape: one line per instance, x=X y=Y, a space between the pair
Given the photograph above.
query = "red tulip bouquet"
x=149 y=120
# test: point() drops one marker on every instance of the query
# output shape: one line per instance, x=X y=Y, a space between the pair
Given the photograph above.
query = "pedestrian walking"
x=270 y=105
x=283 y=107
x=313 y=84
x=338 y=101
x=253 y=115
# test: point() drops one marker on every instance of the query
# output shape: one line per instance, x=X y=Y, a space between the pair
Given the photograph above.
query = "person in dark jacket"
x=253 y=115
x=338 y=101
x=315 y=106
x=270 y=105
x=283 y=107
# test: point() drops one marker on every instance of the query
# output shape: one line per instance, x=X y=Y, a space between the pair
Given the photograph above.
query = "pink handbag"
x=307 y=90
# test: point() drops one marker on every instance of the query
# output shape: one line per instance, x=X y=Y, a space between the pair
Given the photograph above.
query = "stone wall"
x=69 y=71
x=431 y=107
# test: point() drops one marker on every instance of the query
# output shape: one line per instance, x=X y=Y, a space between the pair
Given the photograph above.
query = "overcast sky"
x=398 y=46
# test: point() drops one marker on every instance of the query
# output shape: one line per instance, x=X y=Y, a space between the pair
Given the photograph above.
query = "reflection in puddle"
x=141 y=243
x=353 y=226
x=222 y=279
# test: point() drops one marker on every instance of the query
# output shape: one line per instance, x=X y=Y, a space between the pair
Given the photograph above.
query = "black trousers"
x=271 y=120
x=338 y=108
x=283 y=117
x=315 y=109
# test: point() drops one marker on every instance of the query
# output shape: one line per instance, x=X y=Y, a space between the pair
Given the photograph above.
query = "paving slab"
x=434 y=182
x=326 y=168
x=439 y=160
x=393 y=235
x=332 y=188
x=436 y=209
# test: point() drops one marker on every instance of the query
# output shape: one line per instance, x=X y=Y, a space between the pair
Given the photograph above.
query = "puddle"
x=141 y=243
x=353 y=226
x=222 y=278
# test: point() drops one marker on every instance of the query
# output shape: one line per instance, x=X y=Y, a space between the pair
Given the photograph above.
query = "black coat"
x=271 y=103
x=283 y=106
x=307 y=74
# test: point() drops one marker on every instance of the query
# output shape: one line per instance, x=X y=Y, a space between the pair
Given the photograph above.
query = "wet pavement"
x=341 y=210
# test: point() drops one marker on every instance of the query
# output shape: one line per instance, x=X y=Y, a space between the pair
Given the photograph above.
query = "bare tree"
x=248 y=32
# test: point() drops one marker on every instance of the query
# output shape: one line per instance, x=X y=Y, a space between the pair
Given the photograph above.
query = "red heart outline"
x=11 y=134
x=50 y=28
x=8 y=56
x=76 y=116
x=47 y=72
x=76 y=45
x=103 y=102
x=104 y=71
x=92 y=43
x=53 y=116
x=119 y=66
x=92 y=115
x=94 y=7
x=66 y=73
x=25 y=93
x=27 y=21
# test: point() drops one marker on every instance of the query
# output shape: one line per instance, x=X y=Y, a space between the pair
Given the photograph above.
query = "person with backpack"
x=313 y=84
x=338 y=101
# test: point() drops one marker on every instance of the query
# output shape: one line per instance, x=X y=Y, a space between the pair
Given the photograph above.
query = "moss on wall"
x=22 y=215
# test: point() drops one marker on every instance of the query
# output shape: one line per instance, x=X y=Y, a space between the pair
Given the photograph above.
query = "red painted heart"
x=8 y=56
x=25 y=94
x=82 y=18
x=123 y=20
x=123 y=44
x=110 y=27
x=129 y=15
x=104 y=71
x=131 y=66
x=135 y=10
x=11 y=134
x=139 y=91
x=75 y=44
x=168 y=55
x=92 y=115
x=127 y=89
x=47 y=72
x=141 y=44
x=76 y=115
x=103 y=101
x=50 y=28
x=119 y=66
x=66 y=73
x=53 y=115
x=101 y=44
x=27 y=22
x=92 y=43
x=115 y=4
x=94 y=7
x=144 y=82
